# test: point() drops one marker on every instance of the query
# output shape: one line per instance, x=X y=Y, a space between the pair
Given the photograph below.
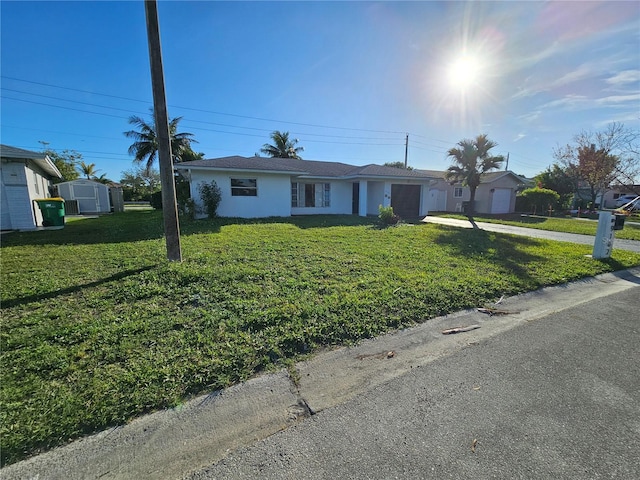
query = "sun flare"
x=464 y=72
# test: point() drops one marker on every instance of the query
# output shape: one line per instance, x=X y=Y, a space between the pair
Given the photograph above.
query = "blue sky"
x=348 y=79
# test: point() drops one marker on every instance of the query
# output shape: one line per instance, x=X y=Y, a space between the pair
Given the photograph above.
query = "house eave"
x=231 y=169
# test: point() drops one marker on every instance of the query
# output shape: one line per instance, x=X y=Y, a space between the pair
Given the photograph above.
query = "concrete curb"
x=172 y=443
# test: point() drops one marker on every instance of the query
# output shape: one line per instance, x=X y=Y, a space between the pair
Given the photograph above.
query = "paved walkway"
x=630 y=245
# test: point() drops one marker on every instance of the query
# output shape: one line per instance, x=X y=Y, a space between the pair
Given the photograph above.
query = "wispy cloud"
x=570 y=102
x=520 y=136
x=618 y=99
x=586 y=70
x=625 y=77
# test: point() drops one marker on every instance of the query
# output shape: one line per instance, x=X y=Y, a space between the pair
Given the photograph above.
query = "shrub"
x=211 y=196
x=386 y=215
x=540 y=199
x=156 y=200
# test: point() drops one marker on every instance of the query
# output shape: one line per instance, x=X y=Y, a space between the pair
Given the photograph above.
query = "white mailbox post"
x=604 y=236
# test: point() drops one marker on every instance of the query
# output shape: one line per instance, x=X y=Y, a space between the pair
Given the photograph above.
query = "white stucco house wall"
x=92 y=197
x=24 y=177
x=254 y=187
x=496 y=193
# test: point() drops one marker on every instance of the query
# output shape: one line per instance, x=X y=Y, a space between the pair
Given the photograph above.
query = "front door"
x=355 y=199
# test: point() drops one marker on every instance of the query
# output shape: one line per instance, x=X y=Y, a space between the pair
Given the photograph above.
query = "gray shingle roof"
x=310 y=168
x=7 y=151
x=41 y=159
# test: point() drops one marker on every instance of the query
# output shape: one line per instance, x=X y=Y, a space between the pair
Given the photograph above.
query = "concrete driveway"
x=630 y=245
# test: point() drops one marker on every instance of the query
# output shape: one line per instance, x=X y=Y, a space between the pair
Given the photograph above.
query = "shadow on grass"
x=148 y=225
x=301 y=221
x=506 y=251
x=76 y=288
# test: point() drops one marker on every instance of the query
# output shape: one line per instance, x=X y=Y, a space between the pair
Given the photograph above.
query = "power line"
x=188 y=119
x=207 y=111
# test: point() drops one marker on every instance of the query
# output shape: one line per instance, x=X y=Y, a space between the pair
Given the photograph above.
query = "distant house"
x=25 y=176
x=496 y=193
x=85 y=196
x=263 y=187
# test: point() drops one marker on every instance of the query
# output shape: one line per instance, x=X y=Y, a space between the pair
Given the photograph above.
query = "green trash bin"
x=52 y=211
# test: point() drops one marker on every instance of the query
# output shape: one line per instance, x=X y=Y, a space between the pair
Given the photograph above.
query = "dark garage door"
x=405 y=200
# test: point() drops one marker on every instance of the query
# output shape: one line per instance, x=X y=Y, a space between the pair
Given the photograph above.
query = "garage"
x=501 y=200
x=405 y=200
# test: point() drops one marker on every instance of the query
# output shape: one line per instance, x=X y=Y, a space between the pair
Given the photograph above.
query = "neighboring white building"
x=496 y=193
x=255 y=187
x=92 y=197
x=25 y=176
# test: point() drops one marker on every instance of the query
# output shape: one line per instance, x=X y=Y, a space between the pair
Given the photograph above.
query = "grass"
x=97 y=327
x=567 y=225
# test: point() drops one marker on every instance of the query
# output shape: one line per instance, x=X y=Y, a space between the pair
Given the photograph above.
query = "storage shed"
x=24 y=177
x=91 y=197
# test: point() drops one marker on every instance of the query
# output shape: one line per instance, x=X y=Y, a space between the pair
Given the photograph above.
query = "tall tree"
x=66 y=162
x=561 y=179
x=397 y=165
x=283 y=146
x=140 y=183
x=145 y=145
x=604 y=158
x=471 y=159
x=89 y=170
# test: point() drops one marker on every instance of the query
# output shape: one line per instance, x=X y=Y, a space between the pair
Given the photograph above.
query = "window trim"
x=244 y=190
x=455 y=191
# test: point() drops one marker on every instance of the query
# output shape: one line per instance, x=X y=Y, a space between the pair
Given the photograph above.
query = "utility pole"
x=507 y=165
x=169 y=205
x=406 y=150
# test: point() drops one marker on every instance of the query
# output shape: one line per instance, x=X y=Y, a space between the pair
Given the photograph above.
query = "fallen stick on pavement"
x=495 y=311
x=449 y=331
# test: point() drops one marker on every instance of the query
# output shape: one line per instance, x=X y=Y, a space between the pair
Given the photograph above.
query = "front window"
x=244 y=187
x=310 y=194
x=457 y=192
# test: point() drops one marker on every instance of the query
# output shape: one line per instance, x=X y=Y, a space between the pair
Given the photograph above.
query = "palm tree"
x=88 y=170
x=283 y=146
x=471 y=159
x=145 y=145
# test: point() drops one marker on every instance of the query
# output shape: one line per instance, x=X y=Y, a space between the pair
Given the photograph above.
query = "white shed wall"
x=92 y=197
x=22 y=182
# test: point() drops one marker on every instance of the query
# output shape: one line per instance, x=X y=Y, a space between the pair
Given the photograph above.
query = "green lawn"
x=97 y=327
x=568 y=225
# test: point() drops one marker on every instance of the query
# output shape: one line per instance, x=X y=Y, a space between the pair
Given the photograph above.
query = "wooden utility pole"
x=406 y=149
x=169 y=205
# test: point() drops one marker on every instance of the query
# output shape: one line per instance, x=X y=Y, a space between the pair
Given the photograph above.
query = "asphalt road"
x=556 y=397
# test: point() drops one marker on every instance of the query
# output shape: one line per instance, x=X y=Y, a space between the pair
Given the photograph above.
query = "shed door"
x=501 y=202
x=87 y=197
x=405 y=200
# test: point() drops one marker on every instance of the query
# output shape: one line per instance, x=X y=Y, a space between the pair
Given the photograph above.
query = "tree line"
x=594 y=162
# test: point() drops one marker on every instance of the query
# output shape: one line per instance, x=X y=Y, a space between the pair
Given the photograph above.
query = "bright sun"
x=464 y=72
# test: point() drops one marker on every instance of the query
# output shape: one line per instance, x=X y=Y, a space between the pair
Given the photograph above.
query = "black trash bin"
x=619 y=221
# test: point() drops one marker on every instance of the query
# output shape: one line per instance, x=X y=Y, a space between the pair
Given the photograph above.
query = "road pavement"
x=555 y=398
x=630 y=245
x=546 y=389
